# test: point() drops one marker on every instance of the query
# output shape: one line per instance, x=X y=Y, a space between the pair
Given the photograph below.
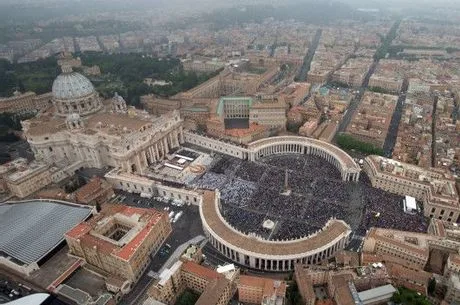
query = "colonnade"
x=349 y=170
x=277 y=263
x=289 y=148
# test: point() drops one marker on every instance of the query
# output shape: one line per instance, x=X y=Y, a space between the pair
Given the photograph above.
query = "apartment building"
x=435 y=188
x=120 y=240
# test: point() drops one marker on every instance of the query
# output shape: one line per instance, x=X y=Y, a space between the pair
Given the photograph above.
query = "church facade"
x=84 y=130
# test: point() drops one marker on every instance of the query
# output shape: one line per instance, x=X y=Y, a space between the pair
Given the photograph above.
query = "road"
x=186 y=228
x=356 y=100
x=302 y=76
x=392 y=134
x=433 y=131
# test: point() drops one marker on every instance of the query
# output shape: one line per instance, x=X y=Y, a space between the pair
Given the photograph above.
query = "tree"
x=431 y=286
x=347 y=141
x=409 y=297
x=292 y=294
x=187 y=298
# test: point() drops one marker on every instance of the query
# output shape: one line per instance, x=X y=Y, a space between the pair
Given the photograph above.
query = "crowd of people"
x=253 y=192
x=385 y=210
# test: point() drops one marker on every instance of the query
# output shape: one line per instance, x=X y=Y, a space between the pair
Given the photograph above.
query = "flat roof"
x=376 y=292
x=35 y=298
x=31 y=229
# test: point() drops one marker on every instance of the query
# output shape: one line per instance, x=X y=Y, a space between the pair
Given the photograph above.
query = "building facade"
x=214 y=286
x=95 y=192
x=264 y=291
x=28 y=179
x=435 y=188
x=80 y=128
x=120 y=240
x=25 y=102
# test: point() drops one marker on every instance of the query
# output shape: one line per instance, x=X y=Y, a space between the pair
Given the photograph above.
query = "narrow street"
x=392 y=134
x=358 y=98
x=302 y=76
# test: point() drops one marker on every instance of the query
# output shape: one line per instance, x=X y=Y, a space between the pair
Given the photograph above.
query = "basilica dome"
x=73 y=93
x=71 y=86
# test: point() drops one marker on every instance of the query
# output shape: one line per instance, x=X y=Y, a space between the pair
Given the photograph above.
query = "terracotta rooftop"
x=82 y=230
x=210 y=212
x=127 y=251
x=265 y=284
x=402 y=272
x=254 y=281
x=213 y=292
x=342 y=289
x=200 y=271
x=240 y=132
x=89 y=189
x=304 y=283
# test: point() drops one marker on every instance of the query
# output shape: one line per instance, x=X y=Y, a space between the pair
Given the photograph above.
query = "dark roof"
x=31 y=229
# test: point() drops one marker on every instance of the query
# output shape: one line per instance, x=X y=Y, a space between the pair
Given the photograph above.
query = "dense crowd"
x=385 y=210
x=253 y=192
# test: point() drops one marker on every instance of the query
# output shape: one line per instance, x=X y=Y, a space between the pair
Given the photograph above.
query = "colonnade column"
x=152 y=154
x=138 y=163
x=181 y=133
x=165 y=145
x=144 y=156
x=157 y=153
